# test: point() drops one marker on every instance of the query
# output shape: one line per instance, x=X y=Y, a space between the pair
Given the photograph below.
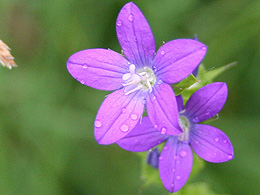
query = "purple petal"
x=211 y=144
x=98 y=68
x=162 y=109
x=117 y=116
x=177 y=59
x=135 y=36
x=142 y=138
x=206 y=102
x=175 y=164
x=179 y=100
x=153 y=158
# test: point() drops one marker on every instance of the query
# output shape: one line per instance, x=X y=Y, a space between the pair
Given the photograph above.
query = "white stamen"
x=144 y=79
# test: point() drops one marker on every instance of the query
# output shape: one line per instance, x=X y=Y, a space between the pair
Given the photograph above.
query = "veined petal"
x=206 y=102
x=179 y=100
x=211 y=144
x=175 y=164
x=98 y=68
x=162 y=109
x=117 y=116
x=177 y=59
x=135 y=35
x=142 y=138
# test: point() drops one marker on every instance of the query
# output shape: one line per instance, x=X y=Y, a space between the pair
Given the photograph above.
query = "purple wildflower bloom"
x=138 y=79
x=210 y=143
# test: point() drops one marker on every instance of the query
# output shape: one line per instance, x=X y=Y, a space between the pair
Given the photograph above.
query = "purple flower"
x=138 y=79
x=210 y=143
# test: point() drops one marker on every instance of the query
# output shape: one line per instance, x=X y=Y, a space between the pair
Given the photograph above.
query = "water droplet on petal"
x=183 y=153
x=160 y=158
x=207 y=113
x=175 y=157
x=173 y=170
x=216 y=139
x=136 y=140
x=135 y=39
x=204 y=48
x=196 y=119
x=97 y=123
x=155 y=126
x=214 y=154
x=82 y=82
x=178 y=177
x=134 y=116
x=163 y=130
x=124 y=128
x=165 y=148
x=230 y=157
x=85 y=66
x=123 y=110
x=131 y=17
x=154 y=68
x=162 y=52
x=178 y=161
x=143 y=101
x=119 y=23
x=197 y=142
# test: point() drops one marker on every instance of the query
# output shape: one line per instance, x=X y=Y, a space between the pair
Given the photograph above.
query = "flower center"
x=185 y=125
x=141 y=79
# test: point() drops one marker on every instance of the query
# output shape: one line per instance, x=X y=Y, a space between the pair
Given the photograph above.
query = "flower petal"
x=162 y=109
x=211 y=144
x=206 y=102
x=117 y=116
x=179 y=100
x=177 y=59
x=175 y=164
x=142 y=138
x=135 y=35
x=98 y=68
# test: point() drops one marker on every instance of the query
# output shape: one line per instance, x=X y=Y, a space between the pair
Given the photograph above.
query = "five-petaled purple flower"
x=139 y=79
x=210 y=143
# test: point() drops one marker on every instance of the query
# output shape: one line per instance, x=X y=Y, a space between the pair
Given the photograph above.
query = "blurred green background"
x=47 y=144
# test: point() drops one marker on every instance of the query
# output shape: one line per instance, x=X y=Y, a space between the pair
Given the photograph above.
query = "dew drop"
x=123 y=110
x=124 y=128
x=143 y=101
x=225 y=141
x=196 y=119
x=165 y=148
x=131 y=17
x=214 y=154
x=163 y=130
x=178 y=177
x=183 y=153
x=204 y=48
x=154 y=68
x=97 y=123
x=162 y=52
x=207 y=113
x=134 y=116
x=135 y=39
x=85 y=66
x=82 y=82
x=119 y=23
x=175 y=157
x=160 y=158
x=155 y=126
x=230 y=157
x=136 y=140
x=197 y=142
x=216 y=139
x=173 y=170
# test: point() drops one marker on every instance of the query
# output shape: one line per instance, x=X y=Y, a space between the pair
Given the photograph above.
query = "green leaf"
x=184 y=84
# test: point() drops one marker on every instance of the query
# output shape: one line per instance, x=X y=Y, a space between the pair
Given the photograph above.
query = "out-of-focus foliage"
x=46 y=117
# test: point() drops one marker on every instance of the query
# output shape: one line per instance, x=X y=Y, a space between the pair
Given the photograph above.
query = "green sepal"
x=184 y=84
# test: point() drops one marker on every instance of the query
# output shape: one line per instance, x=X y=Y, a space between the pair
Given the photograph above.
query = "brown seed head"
x=6 y=59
